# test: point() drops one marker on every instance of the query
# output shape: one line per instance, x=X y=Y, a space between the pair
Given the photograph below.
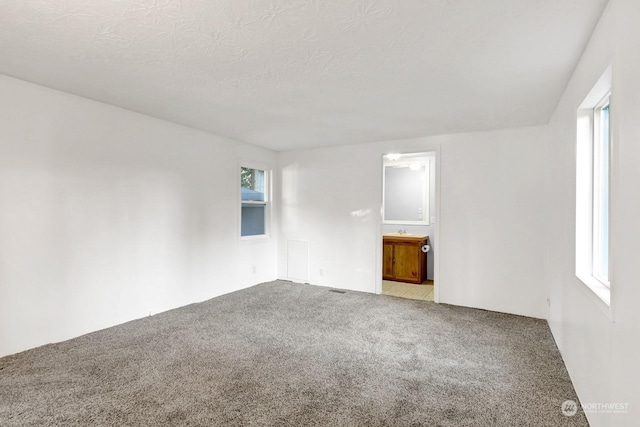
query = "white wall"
x=600 y=350
x=494 y=212
x=331 y=198
x=491 y=216
x=107 y=215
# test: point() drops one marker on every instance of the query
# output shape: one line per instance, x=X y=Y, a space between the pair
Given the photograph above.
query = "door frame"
x=435 y=243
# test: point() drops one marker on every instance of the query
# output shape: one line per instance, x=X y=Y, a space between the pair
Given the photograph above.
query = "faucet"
x=402 y=231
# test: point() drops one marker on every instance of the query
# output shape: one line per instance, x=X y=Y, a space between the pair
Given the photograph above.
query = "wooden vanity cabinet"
x=403 y=259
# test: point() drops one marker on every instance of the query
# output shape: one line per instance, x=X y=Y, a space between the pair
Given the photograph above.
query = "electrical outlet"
x=433 y=220
x=321 y=272
x=253 y=269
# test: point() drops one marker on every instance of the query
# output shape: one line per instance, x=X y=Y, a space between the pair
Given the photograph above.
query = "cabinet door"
x=387 y=261
x=406 y=262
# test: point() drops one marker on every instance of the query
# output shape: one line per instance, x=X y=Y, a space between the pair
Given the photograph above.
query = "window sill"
x=253 y=238
x=597 y=292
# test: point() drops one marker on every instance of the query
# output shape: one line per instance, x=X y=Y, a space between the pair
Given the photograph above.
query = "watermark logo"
x=605 y=408
x=569 y=408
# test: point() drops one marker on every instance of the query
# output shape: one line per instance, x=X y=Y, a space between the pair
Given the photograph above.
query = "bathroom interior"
x=408 y=225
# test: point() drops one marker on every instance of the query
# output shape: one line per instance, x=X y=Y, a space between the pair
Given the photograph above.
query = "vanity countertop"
x=405 y=236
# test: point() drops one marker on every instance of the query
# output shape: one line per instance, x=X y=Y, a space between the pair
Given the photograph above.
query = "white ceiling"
x=289 y=74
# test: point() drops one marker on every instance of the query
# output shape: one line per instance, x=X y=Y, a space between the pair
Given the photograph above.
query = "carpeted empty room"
x=281 y=353
x=319 y=213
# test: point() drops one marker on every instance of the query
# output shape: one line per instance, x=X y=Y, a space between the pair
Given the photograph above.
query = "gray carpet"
x=284 y=354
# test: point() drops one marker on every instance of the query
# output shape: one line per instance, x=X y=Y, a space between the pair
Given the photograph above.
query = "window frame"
x=266 y=202
x=587 y=140
x=597 y=181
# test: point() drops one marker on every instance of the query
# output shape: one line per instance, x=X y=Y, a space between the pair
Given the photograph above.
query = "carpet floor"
x=284 y=354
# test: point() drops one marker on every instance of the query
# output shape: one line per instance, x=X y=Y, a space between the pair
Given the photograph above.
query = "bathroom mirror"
x=406 y=192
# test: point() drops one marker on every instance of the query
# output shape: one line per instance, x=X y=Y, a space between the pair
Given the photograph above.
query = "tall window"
x=593 y=171
x=254 y=201
x=601 y=150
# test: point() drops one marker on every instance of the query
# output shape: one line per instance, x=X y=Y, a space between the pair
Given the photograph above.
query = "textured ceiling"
x=303 y=73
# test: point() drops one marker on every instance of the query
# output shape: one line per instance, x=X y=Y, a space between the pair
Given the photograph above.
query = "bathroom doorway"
x=409 y=225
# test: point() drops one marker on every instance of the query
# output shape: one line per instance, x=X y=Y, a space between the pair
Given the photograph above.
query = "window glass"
x=253 y=184
x=254 y=203
x=601 y=195
x=253 y=220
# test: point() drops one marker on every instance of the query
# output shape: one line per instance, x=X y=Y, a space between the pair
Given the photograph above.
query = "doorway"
x=409 y=225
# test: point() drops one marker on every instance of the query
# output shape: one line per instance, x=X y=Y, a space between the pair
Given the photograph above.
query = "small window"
x=254 y=202
x=593 y=171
